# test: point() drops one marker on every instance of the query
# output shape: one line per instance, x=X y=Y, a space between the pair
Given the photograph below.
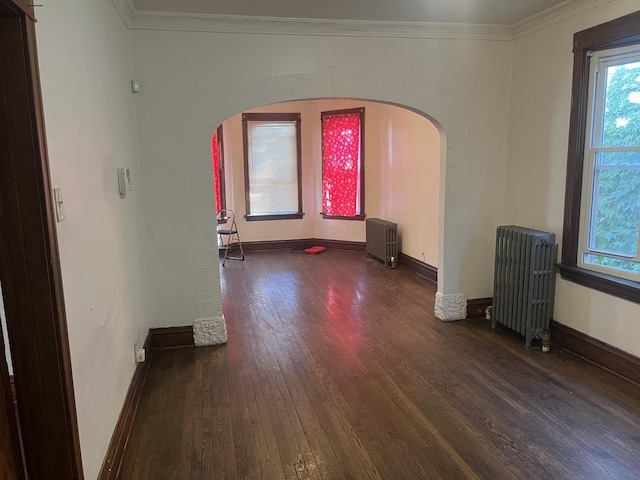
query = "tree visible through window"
x=613 y=157
x=601 y=212
x=343 y=164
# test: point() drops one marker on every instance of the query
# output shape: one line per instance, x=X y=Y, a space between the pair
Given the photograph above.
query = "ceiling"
x=498 y=12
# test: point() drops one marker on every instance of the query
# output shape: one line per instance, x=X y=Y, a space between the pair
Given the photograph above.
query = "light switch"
x=57 y=200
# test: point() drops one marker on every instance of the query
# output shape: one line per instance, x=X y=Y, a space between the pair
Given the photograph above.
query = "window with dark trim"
x=343 y=164
x=217 y=156
x=589 y=46
x=272 y=166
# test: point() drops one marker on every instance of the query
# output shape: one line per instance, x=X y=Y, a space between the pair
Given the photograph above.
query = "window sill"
x=333 y=217
x=284 y=216
x=618 y=287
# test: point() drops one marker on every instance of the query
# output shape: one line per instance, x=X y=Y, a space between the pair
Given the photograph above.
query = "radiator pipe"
x=488 y=313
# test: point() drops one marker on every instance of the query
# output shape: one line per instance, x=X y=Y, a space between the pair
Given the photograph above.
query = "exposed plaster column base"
x=209 y=331
x=451 y=307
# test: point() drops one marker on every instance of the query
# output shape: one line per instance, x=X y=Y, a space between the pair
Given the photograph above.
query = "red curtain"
x=341 y=165
x=215 y=153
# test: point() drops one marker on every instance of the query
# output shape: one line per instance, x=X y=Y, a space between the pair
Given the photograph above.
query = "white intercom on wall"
x=124 y=181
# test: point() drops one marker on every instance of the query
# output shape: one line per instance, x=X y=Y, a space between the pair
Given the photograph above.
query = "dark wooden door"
x=11 y=465
x=30 y=272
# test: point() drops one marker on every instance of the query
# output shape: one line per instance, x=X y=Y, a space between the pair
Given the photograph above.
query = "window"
x=600 y=246
x=217 y=156
x=343 y=164
x=611 y=215
x=272 y=165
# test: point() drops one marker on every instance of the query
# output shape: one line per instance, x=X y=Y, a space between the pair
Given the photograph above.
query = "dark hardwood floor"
x=336 y=368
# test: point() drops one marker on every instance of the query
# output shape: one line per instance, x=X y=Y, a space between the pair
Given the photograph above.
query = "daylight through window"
x=611 y=218
x=343 y=164
x=272 y=166
x=217 y=155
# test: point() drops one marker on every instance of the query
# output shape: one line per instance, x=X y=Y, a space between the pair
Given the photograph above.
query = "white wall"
x=85 y=68
x=410 y=180
x=402 y=162
x=539 y=129
x=194 y=81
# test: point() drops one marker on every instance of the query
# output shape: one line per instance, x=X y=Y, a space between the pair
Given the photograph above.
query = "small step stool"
x=228 y=234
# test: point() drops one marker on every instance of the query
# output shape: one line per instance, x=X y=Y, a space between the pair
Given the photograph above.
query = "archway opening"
x=401 y=167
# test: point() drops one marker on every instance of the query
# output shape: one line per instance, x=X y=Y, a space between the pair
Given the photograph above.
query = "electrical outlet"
x=140 y=355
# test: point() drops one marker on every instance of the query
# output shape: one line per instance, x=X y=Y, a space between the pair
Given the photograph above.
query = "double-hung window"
x=272 y=166
x=601 y=234
x=609 y=230
x=343 y=164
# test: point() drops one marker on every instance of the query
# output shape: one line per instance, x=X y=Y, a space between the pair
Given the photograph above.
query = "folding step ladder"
x=228 y=234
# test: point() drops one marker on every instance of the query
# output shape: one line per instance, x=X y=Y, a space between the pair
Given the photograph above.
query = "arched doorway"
x=401 y=162
x=403 y=183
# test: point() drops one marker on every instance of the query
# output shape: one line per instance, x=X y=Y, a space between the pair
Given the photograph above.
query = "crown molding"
x=315 y=27
x=236 y=24
x=553 y=15
x=139 y=20
x=125 y=9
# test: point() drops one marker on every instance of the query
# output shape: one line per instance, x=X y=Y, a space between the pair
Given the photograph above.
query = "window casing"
x=343 y=164
x=272 y=166
x=589 y=155
x=610 y=217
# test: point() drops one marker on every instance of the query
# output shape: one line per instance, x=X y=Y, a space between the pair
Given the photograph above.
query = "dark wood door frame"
x=29 y=260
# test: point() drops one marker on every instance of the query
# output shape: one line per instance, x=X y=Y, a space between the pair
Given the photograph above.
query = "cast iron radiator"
x=382 y=240
x=524 y=280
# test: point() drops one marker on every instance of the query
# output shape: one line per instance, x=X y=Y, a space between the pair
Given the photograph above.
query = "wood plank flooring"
x=337 y=369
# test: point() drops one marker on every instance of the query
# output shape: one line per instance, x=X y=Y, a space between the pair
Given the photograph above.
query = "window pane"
x=624 y=265
x=273 y=168
x=621 y=126
x=617 y=158
x=616 y=203
x=341 y=165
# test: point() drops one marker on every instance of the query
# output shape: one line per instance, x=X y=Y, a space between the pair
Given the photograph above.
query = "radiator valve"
x=488 y=311
x=545 y=336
